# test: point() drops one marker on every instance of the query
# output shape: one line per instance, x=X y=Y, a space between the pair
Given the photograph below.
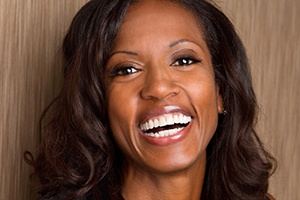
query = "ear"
x=219 y=100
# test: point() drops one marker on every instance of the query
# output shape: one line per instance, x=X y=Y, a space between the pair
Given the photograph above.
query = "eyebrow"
x=172 y=44
x=124 y=52
x=182 y=41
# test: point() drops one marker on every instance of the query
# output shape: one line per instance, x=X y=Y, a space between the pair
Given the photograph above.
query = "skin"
x=146 y=76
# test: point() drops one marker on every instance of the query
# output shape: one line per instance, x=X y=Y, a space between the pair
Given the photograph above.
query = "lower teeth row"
x=164 y=133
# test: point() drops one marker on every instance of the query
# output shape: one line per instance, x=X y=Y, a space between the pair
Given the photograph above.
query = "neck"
x=185 y=184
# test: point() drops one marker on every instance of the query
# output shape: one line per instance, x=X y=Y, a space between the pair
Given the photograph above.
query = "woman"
x=156 y=103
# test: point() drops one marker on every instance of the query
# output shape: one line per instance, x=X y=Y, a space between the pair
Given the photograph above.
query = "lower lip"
x=163 y=141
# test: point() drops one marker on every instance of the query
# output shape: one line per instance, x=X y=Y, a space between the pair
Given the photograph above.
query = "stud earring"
x=224 y=112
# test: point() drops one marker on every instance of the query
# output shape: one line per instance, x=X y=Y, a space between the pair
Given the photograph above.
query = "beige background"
x=30 y=36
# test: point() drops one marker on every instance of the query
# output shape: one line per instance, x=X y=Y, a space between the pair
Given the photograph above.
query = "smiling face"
x=163 y=101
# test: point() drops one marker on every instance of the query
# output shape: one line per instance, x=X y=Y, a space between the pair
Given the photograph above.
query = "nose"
x=159 y=84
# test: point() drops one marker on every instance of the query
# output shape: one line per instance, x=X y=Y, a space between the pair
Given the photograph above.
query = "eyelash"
x=123 y=71
x=128 y=70
x=186 y=60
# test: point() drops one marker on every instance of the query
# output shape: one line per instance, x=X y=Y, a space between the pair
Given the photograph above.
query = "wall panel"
x=270 y=30
x=30 y=35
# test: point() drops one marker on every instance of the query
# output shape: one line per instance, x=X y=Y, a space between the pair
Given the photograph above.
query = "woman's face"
x=163 y=101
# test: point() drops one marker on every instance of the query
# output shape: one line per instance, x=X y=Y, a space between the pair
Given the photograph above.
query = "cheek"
x=117 y=107
x=121 y=111
x=202 y=93
x=117 y=122
x=207 y=104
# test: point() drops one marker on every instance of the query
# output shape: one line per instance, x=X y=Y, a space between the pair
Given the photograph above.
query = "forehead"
x=163 y=19
x=145 y=10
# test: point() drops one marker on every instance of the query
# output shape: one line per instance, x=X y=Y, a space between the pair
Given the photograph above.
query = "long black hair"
x=78 y=157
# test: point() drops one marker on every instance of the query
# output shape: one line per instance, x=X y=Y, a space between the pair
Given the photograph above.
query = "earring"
x=224 y=112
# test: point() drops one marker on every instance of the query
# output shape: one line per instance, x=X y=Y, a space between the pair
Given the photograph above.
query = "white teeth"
x=156 y=123
x=170 y=119
x=165 y=133
x=176 y=119
x=164 y=120
x=151 y=124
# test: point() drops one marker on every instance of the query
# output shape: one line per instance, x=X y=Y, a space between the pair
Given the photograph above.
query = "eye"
x=123 y=71
x=185 y=61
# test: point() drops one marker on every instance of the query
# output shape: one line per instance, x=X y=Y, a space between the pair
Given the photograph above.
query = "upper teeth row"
x=164 y=120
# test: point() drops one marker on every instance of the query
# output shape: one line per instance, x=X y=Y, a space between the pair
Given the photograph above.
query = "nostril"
x=159 y=89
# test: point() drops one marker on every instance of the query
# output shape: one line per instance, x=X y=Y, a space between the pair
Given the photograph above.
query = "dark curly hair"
x=79 y=159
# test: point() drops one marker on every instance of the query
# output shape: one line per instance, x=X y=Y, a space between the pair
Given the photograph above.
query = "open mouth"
x=165 y=125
